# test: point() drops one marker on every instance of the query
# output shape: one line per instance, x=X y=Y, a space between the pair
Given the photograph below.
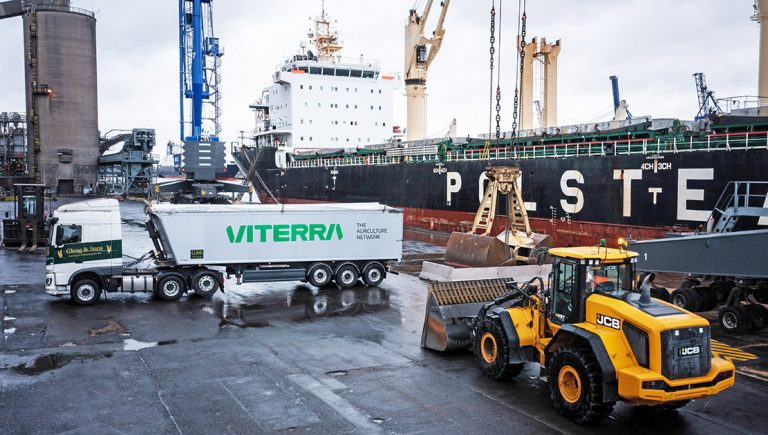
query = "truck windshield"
x=614 y=280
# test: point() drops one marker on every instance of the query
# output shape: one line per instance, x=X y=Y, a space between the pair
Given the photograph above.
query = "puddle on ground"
x=131 y=344
x=46 y=363
x=259 y=309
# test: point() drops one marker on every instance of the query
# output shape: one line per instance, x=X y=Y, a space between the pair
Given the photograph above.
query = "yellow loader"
x=597 y=339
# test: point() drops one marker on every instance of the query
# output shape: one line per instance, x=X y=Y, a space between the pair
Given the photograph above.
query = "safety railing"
x=712 y=142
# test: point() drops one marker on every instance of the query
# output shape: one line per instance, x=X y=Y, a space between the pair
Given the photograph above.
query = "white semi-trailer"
x=255 y=243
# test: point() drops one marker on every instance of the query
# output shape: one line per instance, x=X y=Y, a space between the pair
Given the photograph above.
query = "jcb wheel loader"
x=597 y=339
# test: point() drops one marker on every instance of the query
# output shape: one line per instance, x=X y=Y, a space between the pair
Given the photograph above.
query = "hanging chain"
x=522 y=64
x=498 y=84
x=493 y=55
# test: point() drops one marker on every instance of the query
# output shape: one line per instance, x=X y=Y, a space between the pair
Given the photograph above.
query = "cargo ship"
x=633 y=177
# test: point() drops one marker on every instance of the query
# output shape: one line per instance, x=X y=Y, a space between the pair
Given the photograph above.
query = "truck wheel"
x=576 y=385
x=346 y=276
x=85 y=292
x=735 y=319
x=761 y=292
x=320 y=275
x=759 y=316
x=170 y=288
x=205 y=284
x=373 y=274
x=492 y=353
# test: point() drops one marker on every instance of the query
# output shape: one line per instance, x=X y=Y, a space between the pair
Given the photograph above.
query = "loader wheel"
x=346 y=276
x=492 y=351
x=170 y=288
x=759 y=316
x=576 y=385
x=85 y=292
x=205 y=284
x=735 y=319
x=708 y=298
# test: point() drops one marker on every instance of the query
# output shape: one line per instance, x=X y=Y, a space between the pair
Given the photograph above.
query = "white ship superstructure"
x=324 y=101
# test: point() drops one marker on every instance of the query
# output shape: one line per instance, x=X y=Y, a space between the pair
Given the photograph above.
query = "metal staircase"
x=738 y=200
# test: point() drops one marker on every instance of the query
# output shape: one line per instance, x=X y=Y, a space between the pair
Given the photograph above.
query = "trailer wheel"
x=660 y=293
x=346 y=276
x=373 y=274
x=686 y=299
x=320 y=275
x=735 y=319
x=492 y=353
x=205 y=283
x=708 y=298
x=759 y=316
x=576 y=385
x=170 y=288
x=85 y=292
x=761 y=292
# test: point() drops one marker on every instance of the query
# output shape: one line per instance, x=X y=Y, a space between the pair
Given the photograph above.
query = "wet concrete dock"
x=282 y=357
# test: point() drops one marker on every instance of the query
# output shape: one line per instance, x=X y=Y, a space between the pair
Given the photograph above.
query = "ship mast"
x=417 y=61
x=326 y=38
x=761 y=16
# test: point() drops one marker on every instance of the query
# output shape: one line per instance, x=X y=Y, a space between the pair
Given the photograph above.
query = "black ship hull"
x=576 y=200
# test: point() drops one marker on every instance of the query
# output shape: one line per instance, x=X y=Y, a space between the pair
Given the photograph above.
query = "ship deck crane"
x=708 y=106
x=619 y=115
x=420 y=51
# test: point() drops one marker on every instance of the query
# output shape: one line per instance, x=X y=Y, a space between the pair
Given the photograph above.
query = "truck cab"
x=85 y=242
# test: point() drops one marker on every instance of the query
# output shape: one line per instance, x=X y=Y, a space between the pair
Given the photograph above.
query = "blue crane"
x=708 y=107
x=199 y=72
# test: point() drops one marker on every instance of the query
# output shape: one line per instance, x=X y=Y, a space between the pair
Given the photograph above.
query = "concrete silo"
x=62 y=106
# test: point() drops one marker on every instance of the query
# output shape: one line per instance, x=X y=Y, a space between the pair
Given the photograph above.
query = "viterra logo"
x=283 y=233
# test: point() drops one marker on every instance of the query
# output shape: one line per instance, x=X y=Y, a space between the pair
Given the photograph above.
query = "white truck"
x=315 y=243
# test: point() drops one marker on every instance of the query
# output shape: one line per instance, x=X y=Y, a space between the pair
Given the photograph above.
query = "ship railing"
x=711 y=142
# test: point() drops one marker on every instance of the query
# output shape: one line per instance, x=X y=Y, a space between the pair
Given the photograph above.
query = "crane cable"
x=498 y=82
x=521 y=19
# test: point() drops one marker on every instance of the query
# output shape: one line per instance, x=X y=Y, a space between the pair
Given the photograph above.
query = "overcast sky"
x=654 y=46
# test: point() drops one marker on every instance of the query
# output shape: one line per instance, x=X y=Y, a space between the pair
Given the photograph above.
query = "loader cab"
x=580 y=272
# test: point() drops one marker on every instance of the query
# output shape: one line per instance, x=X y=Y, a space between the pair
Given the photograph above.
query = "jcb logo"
x=687 y=351
x=608 y=321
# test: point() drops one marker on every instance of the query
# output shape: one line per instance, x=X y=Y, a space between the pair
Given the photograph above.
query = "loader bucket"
x=524 y=247
x=472 y=250
x=451 y=307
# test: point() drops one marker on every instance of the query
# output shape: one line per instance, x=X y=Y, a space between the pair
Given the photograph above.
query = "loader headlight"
x=638 y=342
x=653 y=385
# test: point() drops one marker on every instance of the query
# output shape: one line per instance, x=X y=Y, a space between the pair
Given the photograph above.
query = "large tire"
x=492 y=351
x=205 y=283
x=320 y=275
x=576 y=384
x=708 y=298
x=761 y=292
x=373 y=274
x=347 y=276
x=686 y=298
x=660 y=293
x=85 y=292
x=735 y=319
x=759 y=317
x=170 y=288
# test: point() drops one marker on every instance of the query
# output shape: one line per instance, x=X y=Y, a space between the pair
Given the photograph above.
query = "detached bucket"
x=451 y=307
x=472 y=250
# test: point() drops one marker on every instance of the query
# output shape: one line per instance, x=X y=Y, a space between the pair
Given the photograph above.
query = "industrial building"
x=60 y=81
